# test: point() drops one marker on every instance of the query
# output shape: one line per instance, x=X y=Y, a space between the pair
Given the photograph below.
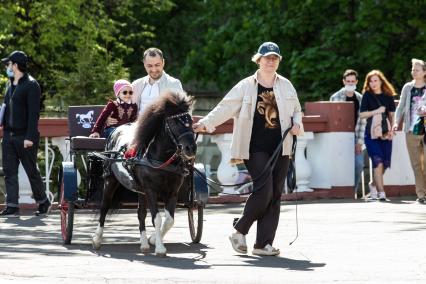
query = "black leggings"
x=263 y=205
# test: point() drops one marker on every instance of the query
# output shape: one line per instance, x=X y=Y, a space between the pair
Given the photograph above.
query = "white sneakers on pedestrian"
x=372 y=196
x=382 y=196
x=267 y=250
x=238 y=242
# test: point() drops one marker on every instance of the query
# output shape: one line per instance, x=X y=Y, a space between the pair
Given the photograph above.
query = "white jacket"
x=240 y=104
x=165 y=83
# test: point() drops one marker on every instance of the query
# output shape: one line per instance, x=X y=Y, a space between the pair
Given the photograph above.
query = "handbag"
x=376 y=126
x=419 y=127
x=382 y=128
x=385 y=124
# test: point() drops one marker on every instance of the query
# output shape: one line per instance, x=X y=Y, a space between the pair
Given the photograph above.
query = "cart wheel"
x=195 y=219
x=67 y=214
x=67 y=222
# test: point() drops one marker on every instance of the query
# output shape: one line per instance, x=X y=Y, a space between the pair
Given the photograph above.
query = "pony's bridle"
x=183 y=118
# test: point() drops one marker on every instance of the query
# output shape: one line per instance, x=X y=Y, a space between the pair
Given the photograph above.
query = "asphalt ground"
x=340 y=241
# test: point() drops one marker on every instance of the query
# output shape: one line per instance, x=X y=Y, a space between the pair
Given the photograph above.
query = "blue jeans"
x=359 y=165
x=107 y=132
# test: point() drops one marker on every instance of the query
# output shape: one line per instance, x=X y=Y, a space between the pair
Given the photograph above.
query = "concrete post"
x=303 y=169
x=227 y=173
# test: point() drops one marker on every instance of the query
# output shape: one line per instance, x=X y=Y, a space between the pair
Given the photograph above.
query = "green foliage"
x=318 y=40
x=75 y=46
x=94 y=71
x=220 y=53
x=78 y=48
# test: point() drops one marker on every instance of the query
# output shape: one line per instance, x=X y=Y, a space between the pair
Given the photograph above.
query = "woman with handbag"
x=413 y=96
x=378 y=98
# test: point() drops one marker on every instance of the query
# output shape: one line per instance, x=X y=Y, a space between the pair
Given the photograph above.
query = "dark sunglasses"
x=125 y=92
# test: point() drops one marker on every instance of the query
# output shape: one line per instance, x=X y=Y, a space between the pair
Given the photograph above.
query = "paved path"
x=339 y=241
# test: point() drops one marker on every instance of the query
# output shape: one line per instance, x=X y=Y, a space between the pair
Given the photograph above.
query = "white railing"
x=328 y=162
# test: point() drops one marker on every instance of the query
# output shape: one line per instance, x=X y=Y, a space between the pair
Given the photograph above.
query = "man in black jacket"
x=20 y=134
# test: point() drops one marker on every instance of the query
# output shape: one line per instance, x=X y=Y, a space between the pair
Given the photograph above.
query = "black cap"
x=268 y=48
x=16 y=57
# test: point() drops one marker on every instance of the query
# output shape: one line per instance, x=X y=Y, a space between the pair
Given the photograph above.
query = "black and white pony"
x=164 y=134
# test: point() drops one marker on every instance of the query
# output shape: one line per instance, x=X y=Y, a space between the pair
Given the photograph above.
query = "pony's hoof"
x=160 y=250
x=145 y=249
x=151 y=240
x=161 y=254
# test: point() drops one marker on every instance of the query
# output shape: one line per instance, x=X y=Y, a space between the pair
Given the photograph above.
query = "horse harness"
x=182 y=167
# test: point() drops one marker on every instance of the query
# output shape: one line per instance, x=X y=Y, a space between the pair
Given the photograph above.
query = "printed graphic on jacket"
x=267 y=107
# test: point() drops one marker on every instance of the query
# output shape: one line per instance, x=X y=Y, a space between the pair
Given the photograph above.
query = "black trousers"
x=263 y=205
x=13 y=153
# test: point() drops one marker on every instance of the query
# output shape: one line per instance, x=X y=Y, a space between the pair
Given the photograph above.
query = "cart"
x=192 y=196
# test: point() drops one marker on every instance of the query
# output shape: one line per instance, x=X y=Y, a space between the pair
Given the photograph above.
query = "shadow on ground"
x=277 y=262
x=193 y=259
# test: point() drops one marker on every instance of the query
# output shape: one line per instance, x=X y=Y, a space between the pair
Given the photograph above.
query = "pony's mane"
x=168 y=104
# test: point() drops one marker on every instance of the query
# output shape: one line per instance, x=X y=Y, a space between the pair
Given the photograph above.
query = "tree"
x=78 y=47
x=318 y=40
x=75 y=46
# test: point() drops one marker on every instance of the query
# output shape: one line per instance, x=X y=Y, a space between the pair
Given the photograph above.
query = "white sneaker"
x=267 y=250
x=238 y=242
x=382 y=196
x=372 y=196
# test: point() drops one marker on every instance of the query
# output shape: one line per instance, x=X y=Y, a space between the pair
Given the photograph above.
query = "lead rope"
x=268 y=167
x=293 y=185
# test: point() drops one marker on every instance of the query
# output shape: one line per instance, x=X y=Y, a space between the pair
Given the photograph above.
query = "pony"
x=164 y=134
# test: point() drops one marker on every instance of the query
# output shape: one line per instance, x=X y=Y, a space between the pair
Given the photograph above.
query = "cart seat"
x=80 y=122
x=81 y=143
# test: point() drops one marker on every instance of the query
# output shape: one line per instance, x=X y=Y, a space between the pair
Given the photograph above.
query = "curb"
x=347 y=193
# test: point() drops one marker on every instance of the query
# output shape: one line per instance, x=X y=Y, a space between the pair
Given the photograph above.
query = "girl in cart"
x=122 y=109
